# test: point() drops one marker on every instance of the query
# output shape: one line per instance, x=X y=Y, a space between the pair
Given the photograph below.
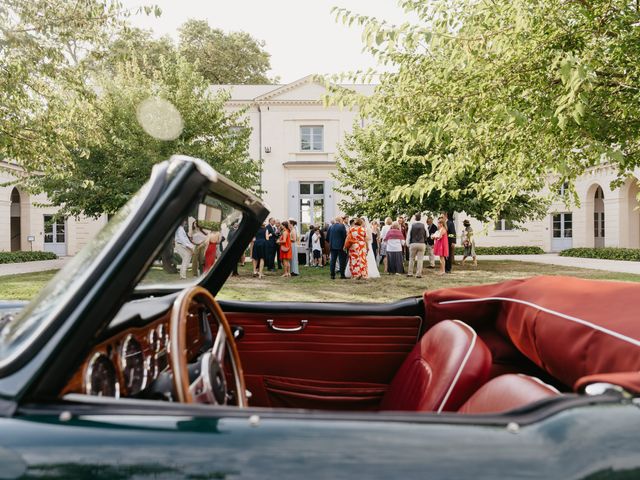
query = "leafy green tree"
x=224 y=58
x=41 y=42
x=115 y=154
x=487 y=102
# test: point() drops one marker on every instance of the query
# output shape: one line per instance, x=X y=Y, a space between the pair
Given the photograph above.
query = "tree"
x=488 y=102
x=222 y=58
x=368 y=181
x=41 y=43
x=115 y=154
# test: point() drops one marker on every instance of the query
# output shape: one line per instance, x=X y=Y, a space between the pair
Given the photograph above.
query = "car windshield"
x=197 y=244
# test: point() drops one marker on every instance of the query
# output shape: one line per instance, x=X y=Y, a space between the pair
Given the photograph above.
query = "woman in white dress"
x=372 y=265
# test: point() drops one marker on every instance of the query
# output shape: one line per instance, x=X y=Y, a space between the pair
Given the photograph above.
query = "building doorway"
x=15 y=220
x=55 y=235
x=311 y=205
x=598 y=218
x=562 y=231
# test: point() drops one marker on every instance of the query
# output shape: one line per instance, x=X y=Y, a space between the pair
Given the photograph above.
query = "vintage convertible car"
x=119 y=369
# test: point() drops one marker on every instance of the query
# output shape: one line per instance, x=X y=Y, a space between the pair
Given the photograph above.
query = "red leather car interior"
x=444 y=369
x=507 y=392
x=335 y=362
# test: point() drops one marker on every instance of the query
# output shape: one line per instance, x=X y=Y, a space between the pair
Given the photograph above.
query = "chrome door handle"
x=303 y=323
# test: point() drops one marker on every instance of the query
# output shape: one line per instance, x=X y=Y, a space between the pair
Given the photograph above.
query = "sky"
x=302 y=36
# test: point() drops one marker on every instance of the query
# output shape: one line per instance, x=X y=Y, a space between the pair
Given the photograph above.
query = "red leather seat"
x=507 y=392
x=448 y=364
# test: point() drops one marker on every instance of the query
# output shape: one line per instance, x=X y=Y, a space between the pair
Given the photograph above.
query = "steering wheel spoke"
x=219 y=346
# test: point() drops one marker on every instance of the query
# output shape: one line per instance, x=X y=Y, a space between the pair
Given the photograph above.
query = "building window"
x=312 y=138
x=563 y=225
x=311 y=204
x=503 y=225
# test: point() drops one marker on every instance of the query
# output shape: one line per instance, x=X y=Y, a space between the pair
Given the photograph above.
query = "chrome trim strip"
x=580 y=321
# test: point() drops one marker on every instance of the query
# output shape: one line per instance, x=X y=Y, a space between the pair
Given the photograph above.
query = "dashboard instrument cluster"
x=128 y=362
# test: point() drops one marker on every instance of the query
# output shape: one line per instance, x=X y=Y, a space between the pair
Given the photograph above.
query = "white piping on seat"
x=537 y=380
x=474 y=337
x=586 y=323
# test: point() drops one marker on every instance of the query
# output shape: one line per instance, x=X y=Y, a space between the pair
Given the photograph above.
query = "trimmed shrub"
x=18 y=257
x=517 y=250
x=629 y=254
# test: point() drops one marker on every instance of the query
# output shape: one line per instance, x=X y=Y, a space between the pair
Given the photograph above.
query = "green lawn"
x=314 y=284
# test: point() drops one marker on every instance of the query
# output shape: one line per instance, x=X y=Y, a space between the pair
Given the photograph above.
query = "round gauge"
x=151 y=366
x=100 y=377
x=133 y=367
x=154 y=339
x=163 y=337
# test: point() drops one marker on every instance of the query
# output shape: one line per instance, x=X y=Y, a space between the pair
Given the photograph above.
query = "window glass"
x=197 y=244
x=311 y=138
x=602 y=224
x=305 y=188
x=60 y=236
x=318 y=188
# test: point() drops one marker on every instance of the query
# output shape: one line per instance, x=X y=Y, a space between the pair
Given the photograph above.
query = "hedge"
x=521 y=250
x=630 y=254
x=18 y=257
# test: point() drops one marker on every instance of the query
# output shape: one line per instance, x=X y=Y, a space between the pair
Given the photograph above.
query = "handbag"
x=285 y=249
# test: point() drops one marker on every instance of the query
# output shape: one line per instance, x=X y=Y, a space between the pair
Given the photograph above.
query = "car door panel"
x=342 y=362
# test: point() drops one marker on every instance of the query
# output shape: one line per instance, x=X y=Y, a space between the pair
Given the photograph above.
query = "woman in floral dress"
x=357 y=244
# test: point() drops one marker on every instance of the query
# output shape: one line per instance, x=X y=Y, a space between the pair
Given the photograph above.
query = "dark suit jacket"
x=431 y=229
x=451 y=231
x=336 y=236
x=272 y=231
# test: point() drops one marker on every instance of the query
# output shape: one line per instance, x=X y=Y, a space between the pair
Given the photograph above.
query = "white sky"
x=302 y=36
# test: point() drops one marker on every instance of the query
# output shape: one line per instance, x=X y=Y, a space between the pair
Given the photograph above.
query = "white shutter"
x=329 y=201
x=293 y=201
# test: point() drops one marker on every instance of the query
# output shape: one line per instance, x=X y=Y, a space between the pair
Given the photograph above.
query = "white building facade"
x=297 y=139
x=28 y=222
x=605 y=217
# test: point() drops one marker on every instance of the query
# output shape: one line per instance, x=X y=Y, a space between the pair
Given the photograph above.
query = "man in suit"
x=451 y=235
x=336 y=236
x=271 y=245
x=431 y=229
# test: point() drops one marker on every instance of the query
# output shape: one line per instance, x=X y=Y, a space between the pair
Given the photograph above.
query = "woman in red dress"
x=441 y=244
x=211 y=251
x=285 y=249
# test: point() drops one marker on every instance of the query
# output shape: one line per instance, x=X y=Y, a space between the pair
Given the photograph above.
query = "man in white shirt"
x=184 y=248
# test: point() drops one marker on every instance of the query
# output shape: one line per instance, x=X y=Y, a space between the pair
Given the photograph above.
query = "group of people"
x=276 y=241
x=360 y=246
x=353 y=248
x=198 y=248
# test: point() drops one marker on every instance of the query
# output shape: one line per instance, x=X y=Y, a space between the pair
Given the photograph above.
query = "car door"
x=338 y=356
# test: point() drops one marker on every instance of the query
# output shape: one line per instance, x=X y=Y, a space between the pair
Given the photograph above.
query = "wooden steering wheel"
x=210 y=385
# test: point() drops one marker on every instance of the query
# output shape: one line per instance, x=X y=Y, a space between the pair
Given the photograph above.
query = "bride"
x=372 y=265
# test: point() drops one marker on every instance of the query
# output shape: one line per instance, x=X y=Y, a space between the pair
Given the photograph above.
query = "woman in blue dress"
x=259 y=252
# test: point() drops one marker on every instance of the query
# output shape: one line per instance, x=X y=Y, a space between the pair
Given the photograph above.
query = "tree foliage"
x=222 y=58
x=40 y=44
x=70 y=106
x=115 y=156
x=488 y=102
